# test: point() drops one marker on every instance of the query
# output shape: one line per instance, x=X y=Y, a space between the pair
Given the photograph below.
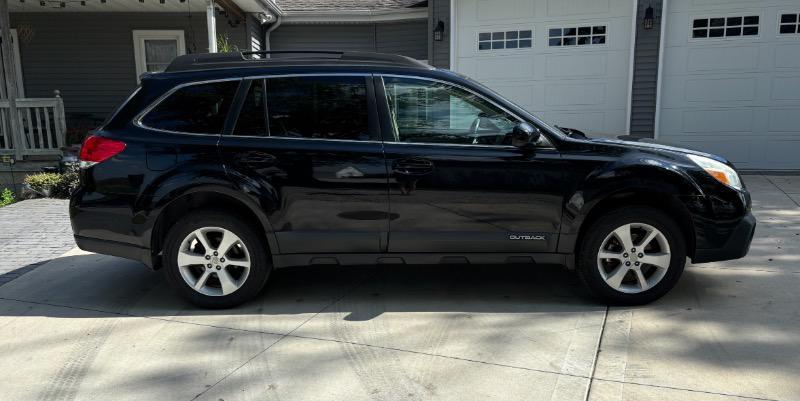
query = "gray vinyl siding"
x=255 y=35
x=406 y=38
x=89 y=57
x=645 y=72
x=439 y=10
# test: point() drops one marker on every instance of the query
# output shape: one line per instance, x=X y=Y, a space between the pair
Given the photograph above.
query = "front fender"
x=636 y=174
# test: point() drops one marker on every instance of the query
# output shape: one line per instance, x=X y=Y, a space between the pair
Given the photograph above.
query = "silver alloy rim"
x=634 y=258
x=214 y=261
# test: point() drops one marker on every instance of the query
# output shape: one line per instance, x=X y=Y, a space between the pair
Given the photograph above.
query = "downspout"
x=274 y=19
x=274 y=26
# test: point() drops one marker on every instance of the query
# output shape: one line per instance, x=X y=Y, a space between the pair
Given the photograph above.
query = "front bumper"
x=737 y=245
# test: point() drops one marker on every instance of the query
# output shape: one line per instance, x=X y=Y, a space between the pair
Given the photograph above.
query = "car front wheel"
x=215 y=260
x=632 y=256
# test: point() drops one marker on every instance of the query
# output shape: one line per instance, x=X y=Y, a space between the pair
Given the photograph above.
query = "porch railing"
x=39 y=127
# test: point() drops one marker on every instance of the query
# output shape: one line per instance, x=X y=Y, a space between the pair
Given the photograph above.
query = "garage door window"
x=723 y=27
x=505 y=40
x=577 y=36
x=789 y=24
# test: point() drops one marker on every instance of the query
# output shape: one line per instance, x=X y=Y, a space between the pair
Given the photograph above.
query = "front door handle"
x=414 y=166
x=257 y=159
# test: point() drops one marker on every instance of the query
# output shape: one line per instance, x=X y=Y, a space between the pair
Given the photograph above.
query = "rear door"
x=456 y=183
x=311 y=144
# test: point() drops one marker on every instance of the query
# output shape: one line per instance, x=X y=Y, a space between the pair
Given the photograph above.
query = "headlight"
x=720 y=171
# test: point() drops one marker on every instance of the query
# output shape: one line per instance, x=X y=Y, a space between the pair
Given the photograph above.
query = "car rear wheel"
x=215 y=260
x=632 y=256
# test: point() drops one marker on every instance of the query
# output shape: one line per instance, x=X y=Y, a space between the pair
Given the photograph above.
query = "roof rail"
x=208 y=61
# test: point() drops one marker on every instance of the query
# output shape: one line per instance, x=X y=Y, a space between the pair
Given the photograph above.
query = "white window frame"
x=778 y=26
x=578 y=25
x=709 y=17
x=139 y=37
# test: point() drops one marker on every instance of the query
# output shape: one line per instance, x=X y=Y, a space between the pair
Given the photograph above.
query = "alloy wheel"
x=213 y=261
x=634 y=258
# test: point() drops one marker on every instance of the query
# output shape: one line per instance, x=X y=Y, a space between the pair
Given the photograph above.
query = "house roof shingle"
x=348 y=5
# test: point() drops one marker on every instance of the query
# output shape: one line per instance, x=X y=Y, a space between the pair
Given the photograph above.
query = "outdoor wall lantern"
x=648 y=18
x=438 y=32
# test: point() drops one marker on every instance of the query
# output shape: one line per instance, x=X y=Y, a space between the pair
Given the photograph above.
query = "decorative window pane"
x=577 y=36
x=725 y=27
x=505 y=40
x=790 y=24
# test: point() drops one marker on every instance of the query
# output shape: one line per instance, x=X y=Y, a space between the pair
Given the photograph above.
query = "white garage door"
x=566 y=61
x=731 y=80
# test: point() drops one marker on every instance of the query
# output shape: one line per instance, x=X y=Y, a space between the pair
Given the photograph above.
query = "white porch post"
x=211 y=23
x=7 y=71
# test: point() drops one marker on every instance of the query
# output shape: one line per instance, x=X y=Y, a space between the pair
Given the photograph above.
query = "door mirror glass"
x=524 y=135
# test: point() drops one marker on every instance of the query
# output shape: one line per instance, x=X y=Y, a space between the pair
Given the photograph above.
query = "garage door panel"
x=583 y=87
x=786 y=88
x=786 y=56
x=720 y=90
x=488 y=10
x=728 y=58
x=785 y=120
x=737 y=96
x=557 y=8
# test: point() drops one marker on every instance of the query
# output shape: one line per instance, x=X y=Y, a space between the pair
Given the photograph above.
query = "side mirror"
x=524 y=135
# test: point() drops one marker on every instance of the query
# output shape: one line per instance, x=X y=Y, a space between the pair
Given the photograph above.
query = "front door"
x=456 y=183
x=312 y=143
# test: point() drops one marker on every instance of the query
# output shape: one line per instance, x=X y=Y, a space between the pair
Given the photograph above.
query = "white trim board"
x=140 y=35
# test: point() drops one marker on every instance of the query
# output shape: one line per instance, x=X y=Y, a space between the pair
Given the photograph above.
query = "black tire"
x=260 y=263
x=587 y=257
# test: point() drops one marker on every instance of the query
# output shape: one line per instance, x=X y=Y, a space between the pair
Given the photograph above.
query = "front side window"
x=322 y=107
x=425 y=111
x=194 y=109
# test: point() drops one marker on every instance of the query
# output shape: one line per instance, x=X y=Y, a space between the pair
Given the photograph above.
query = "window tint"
x=197 y=109
x=318 y=107
x=433 y=112
x=252 y=119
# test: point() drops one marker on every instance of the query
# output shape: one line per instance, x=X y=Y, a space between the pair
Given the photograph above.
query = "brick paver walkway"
x=32 y=232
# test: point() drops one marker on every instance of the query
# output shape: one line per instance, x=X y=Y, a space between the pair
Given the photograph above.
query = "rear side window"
x=318 y=107
x=196 y=109
x=252 y=119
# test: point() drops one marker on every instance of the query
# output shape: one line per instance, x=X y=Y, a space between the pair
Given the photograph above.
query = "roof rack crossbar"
x=242 y=59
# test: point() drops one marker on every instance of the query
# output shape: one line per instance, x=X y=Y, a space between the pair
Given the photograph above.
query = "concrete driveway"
x=92 y=327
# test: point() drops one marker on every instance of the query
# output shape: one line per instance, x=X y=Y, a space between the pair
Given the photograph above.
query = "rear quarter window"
x=195 y=109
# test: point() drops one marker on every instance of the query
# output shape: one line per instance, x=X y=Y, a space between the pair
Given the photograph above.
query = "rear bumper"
x=737 y=245
x=115 y=248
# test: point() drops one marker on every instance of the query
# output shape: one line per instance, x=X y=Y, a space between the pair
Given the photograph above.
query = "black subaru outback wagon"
x=227 y=166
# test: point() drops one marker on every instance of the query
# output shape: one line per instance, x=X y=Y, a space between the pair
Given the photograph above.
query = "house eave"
x=353 y=16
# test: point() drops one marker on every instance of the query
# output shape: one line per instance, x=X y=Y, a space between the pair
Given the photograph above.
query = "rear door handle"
x=414 y=166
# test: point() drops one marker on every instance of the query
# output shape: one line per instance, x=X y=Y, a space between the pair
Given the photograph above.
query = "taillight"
x=96 y=149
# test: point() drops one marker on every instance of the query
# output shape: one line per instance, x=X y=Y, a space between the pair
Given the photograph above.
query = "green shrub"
x=55 y=185
x=44 y=183
x=6 y=197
